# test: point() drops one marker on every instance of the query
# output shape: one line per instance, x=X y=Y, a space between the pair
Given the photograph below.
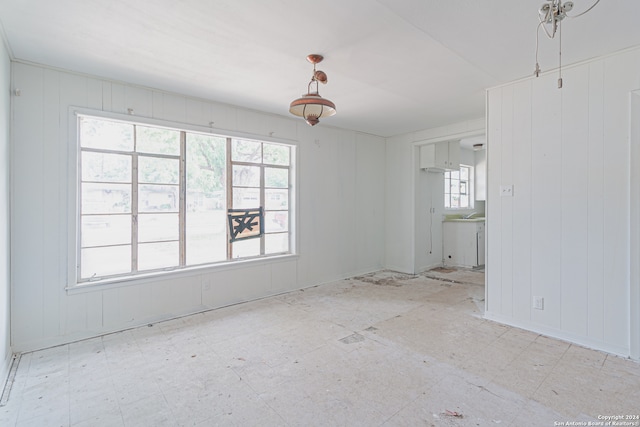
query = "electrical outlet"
x=538 y=303
x=506 y=190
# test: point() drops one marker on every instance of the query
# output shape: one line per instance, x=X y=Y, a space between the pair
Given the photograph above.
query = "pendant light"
x=311 y=106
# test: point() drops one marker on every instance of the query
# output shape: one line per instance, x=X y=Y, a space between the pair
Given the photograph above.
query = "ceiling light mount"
x=554 y=12
x=314 y=58
x=551 y=14
x=311 y=106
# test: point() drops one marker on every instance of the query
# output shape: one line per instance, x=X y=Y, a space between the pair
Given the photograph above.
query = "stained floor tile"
x=378 y=349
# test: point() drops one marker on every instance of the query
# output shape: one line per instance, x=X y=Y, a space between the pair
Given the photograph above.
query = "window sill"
x=116 y=282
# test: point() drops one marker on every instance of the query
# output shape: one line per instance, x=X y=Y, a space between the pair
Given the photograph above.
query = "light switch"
x=538 y=303
x=506 y=190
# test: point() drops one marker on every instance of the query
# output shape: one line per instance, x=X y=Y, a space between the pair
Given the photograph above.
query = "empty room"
x=291 y=213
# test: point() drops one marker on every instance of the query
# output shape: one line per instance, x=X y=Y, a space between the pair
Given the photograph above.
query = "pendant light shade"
x=311 y=106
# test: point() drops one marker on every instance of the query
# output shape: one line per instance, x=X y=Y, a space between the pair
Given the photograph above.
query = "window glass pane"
x=106 y=198
x=276 y=154
x=206 y=217
x=463 y=187
x=276 y=177
x=202 y=201
x=102 y=230
x=455 y=201
x=158 y=255
x=157 y=140
x=447 y=185
x=106 y=134
x=276 y=199
x=455 y=186
x=158 y=198
x=158 y=227
x=464 y=201
x=464 y=173
x=206 y=236
x=246 y=151
x=246 y=176
x=455 y=174
x=98 y=262
x=246 y=248
x=276 y=221
x=206 y=169
x=156 y=170
x=106 y=167
x=276 y=243
x=246 y=198
x=447 y=201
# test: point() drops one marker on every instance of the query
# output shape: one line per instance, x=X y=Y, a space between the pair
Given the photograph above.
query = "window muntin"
x=154 y=198
x=457 y=188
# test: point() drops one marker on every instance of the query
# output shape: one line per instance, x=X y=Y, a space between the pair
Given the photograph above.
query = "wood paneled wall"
x=340 y=230
x=5 y=259
x=564 y=235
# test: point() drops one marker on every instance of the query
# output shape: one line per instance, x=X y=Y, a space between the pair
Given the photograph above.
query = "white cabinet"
x=480 y=240
x=440 y=156
x=480 y=183
x=463 y=243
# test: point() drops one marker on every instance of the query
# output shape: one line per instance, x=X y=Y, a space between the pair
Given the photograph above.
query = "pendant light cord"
x=580 y=14
x=560 y=56
x=536 y=72
x=554 y=15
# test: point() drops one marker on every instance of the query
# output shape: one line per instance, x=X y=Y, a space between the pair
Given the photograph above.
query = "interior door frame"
x=634 y=225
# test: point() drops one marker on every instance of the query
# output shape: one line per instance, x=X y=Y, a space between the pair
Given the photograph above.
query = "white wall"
x=565 y=233
x=399 y=204
x=409 y=192
x=480 y=184
x=5 y=119
x=340 y=211
x=467 y=157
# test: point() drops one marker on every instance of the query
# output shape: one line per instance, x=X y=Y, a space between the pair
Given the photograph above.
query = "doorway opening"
x=433 y=216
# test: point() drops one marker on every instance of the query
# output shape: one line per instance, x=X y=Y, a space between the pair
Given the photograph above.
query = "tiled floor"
x=378 y=350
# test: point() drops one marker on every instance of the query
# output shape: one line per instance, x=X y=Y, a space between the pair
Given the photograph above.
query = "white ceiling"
x=394 y=66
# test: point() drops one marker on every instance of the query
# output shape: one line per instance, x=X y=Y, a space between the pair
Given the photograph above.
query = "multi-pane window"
x=261 y=178
x=457 y=188
x=154 y=198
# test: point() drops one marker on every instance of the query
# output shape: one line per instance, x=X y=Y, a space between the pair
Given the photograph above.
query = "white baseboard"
x=398 y=269
x=48 y=342
x=5 y=376
x=561 y=335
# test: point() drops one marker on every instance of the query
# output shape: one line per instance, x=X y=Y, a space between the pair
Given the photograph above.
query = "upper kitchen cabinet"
x=440 y=156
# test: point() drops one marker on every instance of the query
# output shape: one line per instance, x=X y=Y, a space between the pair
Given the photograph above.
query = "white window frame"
x=74 y=241
x=470 y=189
